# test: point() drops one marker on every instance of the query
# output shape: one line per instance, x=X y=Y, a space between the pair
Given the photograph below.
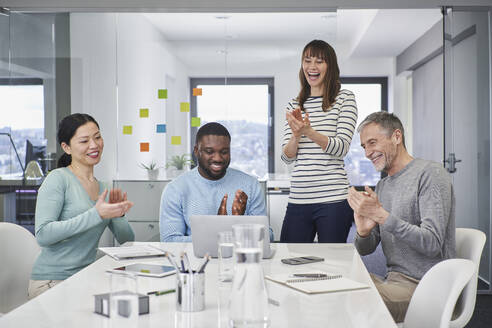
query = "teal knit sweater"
x=68 y=227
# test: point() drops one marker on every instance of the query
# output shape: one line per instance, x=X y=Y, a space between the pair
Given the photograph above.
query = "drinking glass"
x=123 y=304
x=225 y=242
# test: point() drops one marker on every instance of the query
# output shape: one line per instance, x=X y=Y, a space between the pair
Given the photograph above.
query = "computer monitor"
x=35 y=152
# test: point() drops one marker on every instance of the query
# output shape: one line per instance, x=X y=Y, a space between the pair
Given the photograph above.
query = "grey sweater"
x=420 y=230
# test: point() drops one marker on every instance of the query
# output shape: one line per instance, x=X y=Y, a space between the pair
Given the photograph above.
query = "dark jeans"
x=332 y=222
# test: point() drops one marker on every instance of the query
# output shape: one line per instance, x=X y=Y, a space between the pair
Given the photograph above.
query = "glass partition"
x=467 y=108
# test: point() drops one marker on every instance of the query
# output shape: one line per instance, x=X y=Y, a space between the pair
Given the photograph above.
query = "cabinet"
x=277 y=187
x=144 y=215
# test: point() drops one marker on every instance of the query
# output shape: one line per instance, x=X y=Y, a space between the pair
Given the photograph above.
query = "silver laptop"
x=204 y=230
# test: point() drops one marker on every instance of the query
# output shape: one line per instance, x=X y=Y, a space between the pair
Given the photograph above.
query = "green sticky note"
x=195 y=121
x=127 y=129
x=176 y=140
x=185 y=107
x=162 y=93
x=144 y=112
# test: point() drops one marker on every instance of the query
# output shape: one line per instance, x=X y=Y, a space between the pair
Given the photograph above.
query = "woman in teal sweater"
x=71 y=209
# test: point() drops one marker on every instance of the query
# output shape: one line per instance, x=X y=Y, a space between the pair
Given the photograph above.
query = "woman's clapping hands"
x=117 y=206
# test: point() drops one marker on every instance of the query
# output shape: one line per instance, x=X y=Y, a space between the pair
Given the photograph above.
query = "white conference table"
x=71 y=303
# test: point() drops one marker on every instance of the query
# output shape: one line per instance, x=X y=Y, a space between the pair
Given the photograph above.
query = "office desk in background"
x=71 y=303
x=18 y=199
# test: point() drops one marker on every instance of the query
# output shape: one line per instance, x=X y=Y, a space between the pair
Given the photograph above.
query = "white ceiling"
x=254 y=37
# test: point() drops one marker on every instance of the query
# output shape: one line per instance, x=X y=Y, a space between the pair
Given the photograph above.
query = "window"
x=371 y=95
x=245 y=107
x=22 y=105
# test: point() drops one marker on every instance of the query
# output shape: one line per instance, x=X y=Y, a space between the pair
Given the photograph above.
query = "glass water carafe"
x=248 y=305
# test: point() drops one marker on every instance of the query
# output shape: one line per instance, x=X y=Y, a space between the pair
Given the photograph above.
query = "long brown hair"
x=331 y=81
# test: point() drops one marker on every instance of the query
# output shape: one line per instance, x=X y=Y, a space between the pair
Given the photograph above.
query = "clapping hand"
x=238 y=205
x=298 y=125
x=363 y=224
x=223 y=206
x=117 y=206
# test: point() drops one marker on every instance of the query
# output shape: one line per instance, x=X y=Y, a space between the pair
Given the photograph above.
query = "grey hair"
x=388 y=121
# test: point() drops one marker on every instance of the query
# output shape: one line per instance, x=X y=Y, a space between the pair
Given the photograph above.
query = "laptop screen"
x=205 y=228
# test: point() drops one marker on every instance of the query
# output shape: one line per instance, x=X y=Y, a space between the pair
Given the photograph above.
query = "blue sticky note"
x=161 y=128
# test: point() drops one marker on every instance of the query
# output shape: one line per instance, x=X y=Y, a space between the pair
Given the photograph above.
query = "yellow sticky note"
x=127 y=129
x=176 y=140
x=195 y=121
x=162 y=94
x=144 y=112
x=185 y=107
x=197 y=91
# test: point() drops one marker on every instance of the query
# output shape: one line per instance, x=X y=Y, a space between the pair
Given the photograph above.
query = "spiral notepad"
x=328 y=277
x=329 y=284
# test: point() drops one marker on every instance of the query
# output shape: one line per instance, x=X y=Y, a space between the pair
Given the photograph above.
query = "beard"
x=385 y=164
x=202 y=164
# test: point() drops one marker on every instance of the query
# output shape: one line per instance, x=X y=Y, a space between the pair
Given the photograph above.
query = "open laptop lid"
x=205 y=228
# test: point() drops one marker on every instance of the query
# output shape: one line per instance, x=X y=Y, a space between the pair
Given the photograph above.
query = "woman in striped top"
x=318 y=130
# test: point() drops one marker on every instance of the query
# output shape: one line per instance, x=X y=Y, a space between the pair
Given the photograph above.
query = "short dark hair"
x=212 y=128
x=388 y=121
x=66 y=130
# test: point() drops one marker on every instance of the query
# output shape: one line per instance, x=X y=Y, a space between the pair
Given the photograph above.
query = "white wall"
x=119 y=61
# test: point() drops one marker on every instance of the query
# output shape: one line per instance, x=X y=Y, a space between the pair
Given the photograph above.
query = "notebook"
x=331 y=283
x=132 y=252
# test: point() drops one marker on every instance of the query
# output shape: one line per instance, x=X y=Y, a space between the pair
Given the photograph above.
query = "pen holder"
x=190 y=291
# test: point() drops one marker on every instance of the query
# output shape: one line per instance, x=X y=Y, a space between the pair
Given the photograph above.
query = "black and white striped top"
x=319 y=174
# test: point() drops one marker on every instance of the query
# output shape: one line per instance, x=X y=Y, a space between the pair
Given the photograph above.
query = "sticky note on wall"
x=161 y=128
x=144 y=146
x=195 y=121
x=162 y=94
x=144 y=112
x=185 y=107
x=176 y=140
x=127 y=129
x=197 y=91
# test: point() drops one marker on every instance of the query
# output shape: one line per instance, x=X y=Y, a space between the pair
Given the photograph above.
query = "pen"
x=187 y=262
x=204 y=264
x=182 y=264
x=171 y=260
x=161 y=292
x=310 y=275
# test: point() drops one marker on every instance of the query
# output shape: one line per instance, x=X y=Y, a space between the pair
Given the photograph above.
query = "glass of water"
x=123 y=300
x=225 y=242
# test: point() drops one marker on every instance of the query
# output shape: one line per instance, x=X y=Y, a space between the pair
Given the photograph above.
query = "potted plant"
x=178 y=163
x=152 y=170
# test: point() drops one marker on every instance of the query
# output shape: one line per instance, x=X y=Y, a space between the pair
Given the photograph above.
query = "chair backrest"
x=469 y=245
x=436 y=294
x=18 y=251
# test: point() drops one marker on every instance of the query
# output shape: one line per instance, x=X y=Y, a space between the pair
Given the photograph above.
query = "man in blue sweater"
x=211 y=188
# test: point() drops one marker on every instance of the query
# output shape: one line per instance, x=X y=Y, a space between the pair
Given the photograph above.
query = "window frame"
x=381 y=80
x=269 y=81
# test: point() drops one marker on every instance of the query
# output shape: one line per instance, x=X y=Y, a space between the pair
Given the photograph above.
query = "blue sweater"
x=192 y=194
x=68 y=227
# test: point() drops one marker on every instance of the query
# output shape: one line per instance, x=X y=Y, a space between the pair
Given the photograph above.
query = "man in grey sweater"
x=411 y=213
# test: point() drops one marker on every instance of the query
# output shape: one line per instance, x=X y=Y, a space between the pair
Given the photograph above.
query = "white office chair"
x=469 y=245
x=18 y=251
x=433 y=301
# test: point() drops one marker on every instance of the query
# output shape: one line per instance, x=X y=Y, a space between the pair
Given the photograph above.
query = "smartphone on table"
x=302 y=260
